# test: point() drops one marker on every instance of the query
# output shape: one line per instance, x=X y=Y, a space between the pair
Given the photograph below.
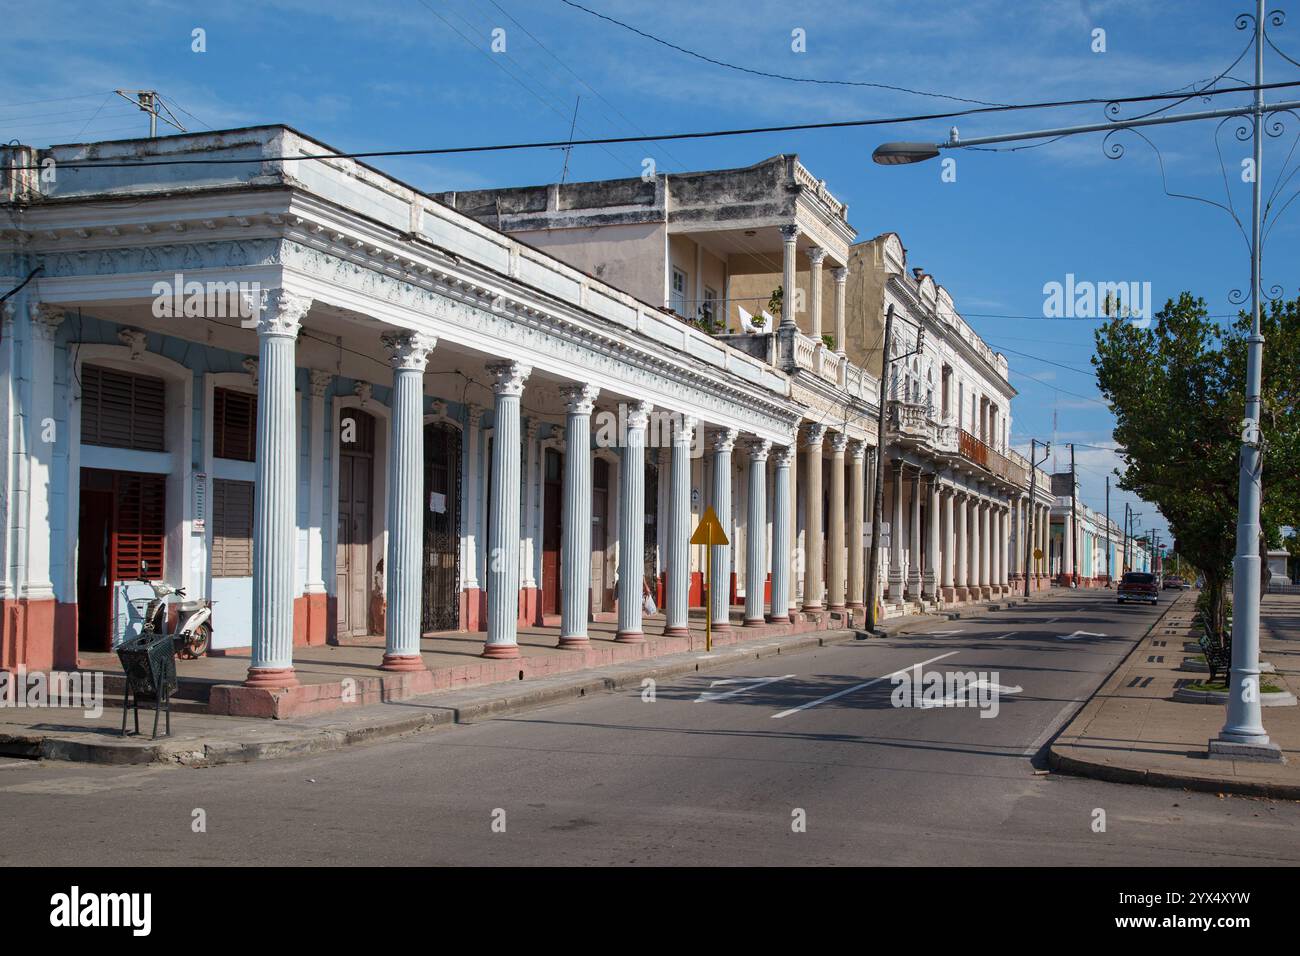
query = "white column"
x=931 y=581
x=986 y=579
x=896 y=539
x=631 y=526
x=275 y=504
x=34 y=521
x=841 y=276
x=857 y=515
x=961 y=574
x=794 y=582
x=914 y=542
x=530 y=546
x=315 y=584
x=1067 y=548
x=835 y=533
x=973 y=532
x=815 y=258
x=783 y=507
x=8 y=440
x=789 y=241
x=812 y=520
x=470 y=531
x=503 y=526
x=947 y=579
x=756 y=532
x=404 y=571
x=720 y=556
x=677 y=599
x=575 y=545
x=1004 y=549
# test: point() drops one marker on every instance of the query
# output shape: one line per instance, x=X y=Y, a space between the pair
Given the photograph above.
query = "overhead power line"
x=765 y=73
x=666 y=137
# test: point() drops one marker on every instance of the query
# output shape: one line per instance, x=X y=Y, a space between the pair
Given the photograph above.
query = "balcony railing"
x=972 y=449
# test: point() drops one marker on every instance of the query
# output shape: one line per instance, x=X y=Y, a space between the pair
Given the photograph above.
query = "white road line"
x=942 y=633
x=1078 y=634
x=850 y=690
x=1001 y=636
x=1052 y=621
x=750 y=684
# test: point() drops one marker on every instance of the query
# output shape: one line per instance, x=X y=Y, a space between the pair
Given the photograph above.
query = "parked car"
x=1137 y=586
x=1174 y=583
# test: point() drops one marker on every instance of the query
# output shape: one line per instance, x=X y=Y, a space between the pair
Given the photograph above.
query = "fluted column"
x=677 y=603
x=961 y=573
x=973 y=532
x=1004 y=549
x=835 y=533
x=812 y=521
x=841 y=277
x=724 y=442
x=986 y=579
x=857 y=516
x=794 y=581
x=948 y=548
x=275 y=546
x=914 y=542
x=631 y=526
x=756 y=532
x=404 y=570
x=575 y=543
x=503 y=529
x=789 y=242
x=896 y=538
x=782 y=507
x=815 y=258
x=931 y=582
x=1045 y=533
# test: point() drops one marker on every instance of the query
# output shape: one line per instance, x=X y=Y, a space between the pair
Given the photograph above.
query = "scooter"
x=193 y=623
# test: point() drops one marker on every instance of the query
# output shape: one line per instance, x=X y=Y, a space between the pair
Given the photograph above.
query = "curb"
x=1065 y=763
x=449 y=708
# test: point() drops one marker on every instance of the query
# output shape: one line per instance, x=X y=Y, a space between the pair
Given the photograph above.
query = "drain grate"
x=1155 y=658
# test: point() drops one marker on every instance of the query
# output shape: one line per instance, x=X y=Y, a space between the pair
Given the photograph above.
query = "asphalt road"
x=796 y=759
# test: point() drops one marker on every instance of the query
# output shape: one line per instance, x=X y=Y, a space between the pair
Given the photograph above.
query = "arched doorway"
x=355 y=522
x=440 y=602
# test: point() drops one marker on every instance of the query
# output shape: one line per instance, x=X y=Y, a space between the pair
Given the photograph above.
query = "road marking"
x=1078 y=634
x=942 y=633
x=749 y=682
x=1052 y=621
x=850 y=690
x=982 y=683
x=1001 y=636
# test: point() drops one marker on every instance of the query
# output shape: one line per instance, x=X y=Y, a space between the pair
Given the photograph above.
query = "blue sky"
x=412 y=73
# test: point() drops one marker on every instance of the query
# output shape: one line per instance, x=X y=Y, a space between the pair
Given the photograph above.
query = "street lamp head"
x=901 y=154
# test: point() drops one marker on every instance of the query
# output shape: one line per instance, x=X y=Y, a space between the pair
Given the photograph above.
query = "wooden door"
x=551 y=515
x=599 y=532
x=94 y=574
x=352 y=563
x=440 y=605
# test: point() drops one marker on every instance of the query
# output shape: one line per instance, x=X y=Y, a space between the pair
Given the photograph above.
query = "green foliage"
x=1177 y=391
x=774 y=304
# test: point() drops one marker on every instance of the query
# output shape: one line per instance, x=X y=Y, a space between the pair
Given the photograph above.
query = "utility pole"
x=1108 y=569
x=1074 y=527
x=1033 y=486
x=150 y=102
x=878 y=505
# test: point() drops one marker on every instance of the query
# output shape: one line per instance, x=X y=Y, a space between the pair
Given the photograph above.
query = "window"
x=122 y=409
x=677 y=294
x=232 y=529
x=234 y=425
x=708 y=308
x=138 y=535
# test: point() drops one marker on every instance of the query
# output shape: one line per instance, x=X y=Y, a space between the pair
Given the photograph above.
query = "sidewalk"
x=1134 y=731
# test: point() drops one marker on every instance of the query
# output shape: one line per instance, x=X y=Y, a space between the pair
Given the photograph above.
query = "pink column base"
x=629 y=637
x=755 y=622
x=270 y=678
x=677 y=632
x=500 y=651
x=574 y=643
x=403 y=662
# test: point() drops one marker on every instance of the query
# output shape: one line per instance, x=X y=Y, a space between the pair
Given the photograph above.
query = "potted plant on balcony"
x=775 y=300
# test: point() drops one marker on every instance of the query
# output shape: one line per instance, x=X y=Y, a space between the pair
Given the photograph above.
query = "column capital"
x=408 y=351
x=531 y=429
x=475 y=415
x=813 y=436
x=579 y=399
x=684 y=429
x=785 y=455
x=638 y=414
x=724 y=440
x=790 y=233
x=46 y=319
x=509 y=376
x=281 y=313
x=858 y=449
x=816 y=255
x=320 y=382
x=840 y=274
x=758 y=449
x=839 y=442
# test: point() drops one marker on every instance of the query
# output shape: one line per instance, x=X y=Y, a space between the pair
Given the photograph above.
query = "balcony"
x=974 y=450
x=911 y=422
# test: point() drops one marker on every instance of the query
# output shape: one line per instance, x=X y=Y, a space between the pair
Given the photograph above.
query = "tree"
x=1176 y=389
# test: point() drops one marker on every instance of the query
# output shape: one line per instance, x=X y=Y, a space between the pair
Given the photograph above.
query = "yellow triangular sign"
x=710 y=529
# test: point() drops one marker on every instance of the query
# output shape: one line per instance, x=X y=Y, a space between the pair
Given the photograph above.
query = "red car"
x=1137 y=586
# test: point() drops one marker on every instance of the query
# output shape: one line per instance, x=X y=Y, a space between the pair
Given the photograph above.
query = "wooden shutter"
x=234 y=425
x=232 y=529
x=122 y=409
x=139 y=527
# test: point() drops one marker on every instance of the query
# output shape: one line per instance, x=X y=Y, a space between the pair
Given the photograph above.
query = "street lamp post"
x=1243 y=735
